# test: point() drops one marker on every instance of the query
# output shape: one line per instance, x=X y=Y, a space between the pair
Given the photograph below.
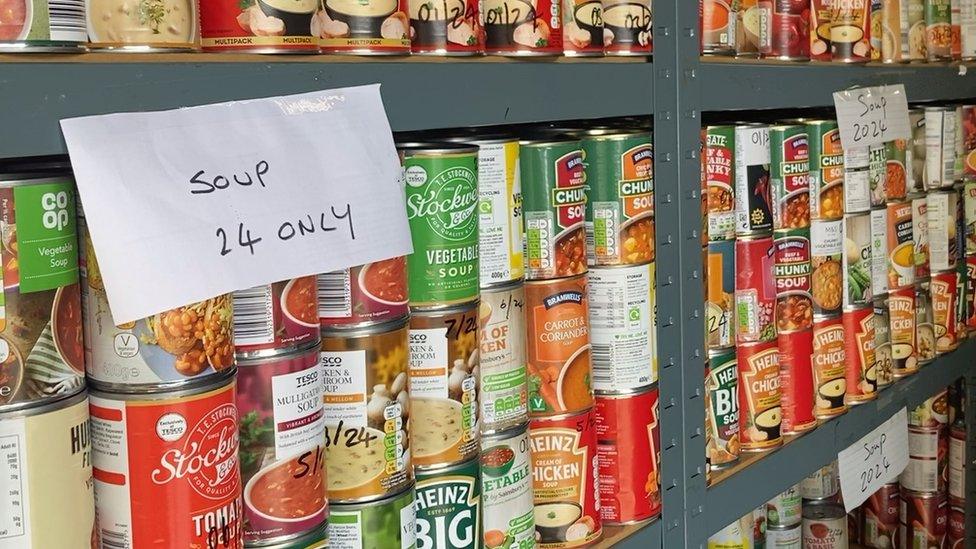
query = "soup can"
x=558 y=345
x=824 y=526
x=583 y=32
x=943 y=293
x=44 y=26
x=821 y=17
x=276 y=318
x=364 y=295
x=41 y=344
x=752 y=27
x=753 y=196
x=720 y=294
x=826 y=169
x=970 y=293
x=923 y=519
x=790 y=33
x=899 y=253
x=755 y=289
x=857 y=180
x=166 y=26
x=877 y=166
x=829 y=366
x=262 y=26
x=442 y=382
x=47 y=475
x=894 y=31
x=443 y=270
x=448 y=506
x=968 y=126
x=924 y=325
x=920 y=234
x=370 y=27
x=822 y=484
x=916 y=123
x=880 y=513
x=879 y=252
x=784 y=537
x=503 y=373
x=969 y=211
x=619 y=197
x=902 y=318
x=565 y=480
x=629 y=449
x=856 y=260
x=506 y=489
x=630 y=29
x=898 y=158
x=721 y=409
x=784 y=509
x=390 y=522
x=826 y=259
x=760 y=411
x=791 y=274
x=796 y=380
x=719 y=175
x=449 y=28
x=718 y=27
x=882 y=342
x=789 y=171
x=940 y=144
x=957 y=460
x=554 y=207
x=622 y=327
x=938 y=30
x=523 y=28
x=759 y=527
x=925 y=459
x=850 y=32
x=916 y=30
x=956 y=525
x=142 y=448
x=942 y=225
x=861 y=370
x=933 y=413
x=282 y=460
x=738 y=535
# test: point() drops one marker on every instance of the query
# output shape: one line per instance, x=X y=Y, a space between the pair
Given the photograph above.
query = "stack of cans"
x=924 y=481
x=824 y=522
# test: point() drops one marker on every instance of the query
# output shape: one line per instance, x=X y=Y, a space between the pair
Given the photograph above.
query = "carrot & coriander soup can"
x=506 y=488
x=276 y=318
x=760 y=410
x=503 y=373
x=860 y=370
x=367 y=27
x=920 y=234
x=363 y=295
x=448 y=506
x=259 y=26
x=721 y=409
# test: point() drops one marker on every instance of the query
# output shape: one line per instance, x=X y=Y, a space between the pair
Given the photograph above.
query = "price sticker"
x=872 y=116
x=877 y=459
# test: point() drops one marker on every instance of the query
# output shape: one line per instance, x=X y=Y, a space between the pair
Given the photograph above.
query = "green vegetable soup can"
x=449 y=507
x=384 y=524
x=506 y=489
x=441 y=182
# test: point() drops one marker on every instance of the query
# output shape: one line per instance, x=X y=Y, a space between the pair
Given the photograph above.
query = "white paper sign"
x=877 y=459
x=871 y=116
x=187 y=204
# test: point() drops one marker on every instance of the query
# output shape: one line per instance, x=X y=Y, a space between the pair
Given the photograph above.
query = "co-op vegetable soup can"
x=43 y=26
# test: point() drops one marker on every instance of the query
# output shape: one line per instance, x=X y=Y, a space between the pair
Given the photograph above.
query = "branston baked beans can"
x=364 y=295
x=565 y=480
x=366 y=410
x=503 y=375
x=926 y=458
x=720 y=179
x=881 y=517
x=179 y=447
x=583 y=31
x=829 y=364
x=824 y=526
x=506 y=489
x=718 y=27
x=856 y=260
x=558 y=343
x=877 y=168
x=882 y=342
x=789 y=171
x=860 y=372
x=619 y=197
x=785 y=508
x=755 y=289
x=720 y=294
x=900 y=249
x=448 y=506
x=923 y=519
x=442 y=198
x=821 y=17
x=826 y=259
x=721 y=409
x=857 y=179
x=822 y=484
x=276 y=318
x=790 y=37
x=448 y=28
x=826 y=169
x=279 y=400
x=629 y=449
x=759 y=397
x=622 y=327
x=262 y=26
x=796 y=380
x=850 y=31
x=901 y=316
x=390 y=522
x=940 y=144
x=753 y=196
x=924 y=325
x=898 y=159
x=943 y=292
x=443 y=386
x=942 y=225
x=629 y=24
x=369 y=27
x=523 y=28
x=46 y=476
x=791 y=273
x=554 y=193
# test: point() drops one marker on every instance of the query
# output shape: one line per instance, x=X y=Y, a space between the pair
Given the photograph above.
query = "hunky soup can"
x=179 y=447
x=276 y=318
x=364 y=295
x=167 y=25
x=829 y=360
x=796 y=380
x=760 y=400
x=41 y=339
x=504 y=381
x=826 y=169
x=719 y=165
x=721 y=409
x=790 y=167
x=445 y=28
x=565 y=476
x=720 y=294
x=826 y=260
x=260 y=26
x=791 y=274
x=448 y=506
x=46 y=476
x=43 y=26
x=629 y=24
x=506 y=489
x=368 y=27
x=755 y=289
x=860 y=370
x=753 y=196
x=282 y=459
x=390 y=522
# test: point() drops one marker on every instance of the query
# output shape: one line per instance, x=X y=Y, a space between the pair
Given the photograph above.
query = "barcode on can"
x=254 y=316
x=113 y=540
x=67 y=20
x=602 y=376
x=335 y=297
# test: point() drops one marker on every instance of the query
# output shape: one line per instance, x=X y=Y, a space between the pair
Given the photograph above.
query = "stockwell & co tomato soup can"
x=46 y=476
x=259 y=26
x=44 y=26
x=390 y=522
x=565 y=480
x=629 y=450
x=760 y=400
x=276 y=318
x=446 y=28
x=282 y=458
x=558 y=344
x=448 y=505
x=860 y=371
x=441 y=182
x=368 y=27
x=755 y=290
x=179 y=447
x=364 y=295
x=504 y=398
x=721 y=409
x=506 y=489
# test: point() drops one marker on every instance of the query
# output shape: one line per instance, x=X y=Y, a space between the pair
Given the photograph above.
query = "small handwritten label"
x=877 y=459
x=872 y=116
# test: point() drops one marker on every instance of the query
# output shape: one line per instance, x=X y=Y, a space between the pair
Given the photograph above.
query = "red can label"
x=167 y=471
x=901 y=316
x=923 y=520
x=367 y=294
x=276 y=317
x=861 y=371
x=956 y=527
x=791 y=32
x=943 y=292
x=850 y=31
x=523 y=27
x=829 y=380
x=446 y=27
x=755 y=290
x=629 y=448
x=760 y=411
x=821 y=16
x=364 y=26
x=228 y=25
x=881 y=516
x=796 y=380
x=971 y=292
x=791 y=272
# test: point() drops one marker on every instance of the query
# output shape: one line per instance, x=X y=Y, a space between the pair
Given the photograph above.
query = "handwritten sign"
x=187 y=204
x=871 y=116
x=877 y=459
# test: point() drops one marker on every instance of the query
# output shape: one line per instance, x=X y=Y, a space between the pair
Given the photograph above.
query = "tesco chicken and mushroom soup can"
x=504 y=376
x=44 y=26
x=445 y=28
x=362 y=27
x=363 y=295
x=448 y=505
x=385 y=524
x=443 y=386
x=261 y=26
x=41 y=346
x=506 y=489
x=46 y=476
x=523 y=27
x=721 y=409
x=276 y=318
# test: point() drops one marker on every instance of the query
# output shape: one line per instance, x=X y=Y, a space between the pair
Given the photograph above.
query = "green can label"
x=449 y=508
x=719 y=166
x=722 y=409
x=790 y=168
x=386 y=524
x=826 y=180
x=506 y=486
x=442 y=200
x=938 y=29
x=46 y=234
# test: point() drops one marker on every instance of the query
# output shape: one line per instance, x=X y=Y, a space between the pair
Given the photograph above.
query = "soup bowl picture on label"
x=66 y=327
x=385 y=281
x=16 y=15
x=560 y=522
x=832 y=393
x=573 y=379
x=355 y=19
x=770 y=421
x=286 y=492
x=629 y=22
x=299 y=305
x=902 y=260
x=277 y=17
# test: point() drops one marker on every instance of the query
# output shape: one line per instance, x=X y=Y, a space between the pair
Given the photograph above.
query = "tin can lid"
x=821 y=510
x=434 y=147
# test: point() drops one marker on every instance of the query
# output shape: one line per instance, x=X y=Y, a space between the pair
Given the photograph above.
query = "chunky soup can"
x=630 y=29
x=565 y=480
x=826 y=169
x=821 y=17
x=43 y=26
x=363 y=295
x=445 y=28
x=259 y=26
x=390 y=522
x=753 y=196
x=857 y=179
x=282 y=458
x=860 y=371
x=558 y=346
x=276 y=318
x=170 y=25
x=178 y=447
x=583 y=32
x=856 y=260
x=629 y=449
x=882 y=342
x=760 y=411
x=850 y=31
x=503 y=374
x=448 y=505
x=721 y=409
x=366 y=411
x=881 y=516
x=720 y=294
x=368 y=27
x=796 y=380
x=829 y=363
x=47 y=476
x=619 y=197
x=789 y=171
x=943 y=292
x=443 y=386
x=718 y=27
x=920 y=234
x=719 y=166
x=755 y=289
x=826 y=259
x=923 y=519
x=508 y=514
x=785 y=508
x=824 y=526
x=791 y=274
x=523 y=28
x=901 y=317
